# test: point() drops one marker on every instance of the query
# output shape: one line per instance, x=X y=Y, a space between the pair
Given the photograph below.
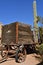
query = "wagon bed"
x=16 y=32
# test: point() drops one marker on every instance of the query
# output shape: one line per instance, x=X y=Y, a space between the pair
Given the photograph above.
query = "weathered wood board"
x=17 y=33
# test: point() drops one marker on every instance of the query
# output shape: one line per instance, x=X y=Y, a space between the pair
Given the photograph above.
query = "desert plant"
x=40 y=49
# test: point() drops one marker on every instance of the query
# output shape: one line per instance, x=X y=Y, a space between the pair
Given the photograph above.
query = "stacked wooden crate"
x=17 y=33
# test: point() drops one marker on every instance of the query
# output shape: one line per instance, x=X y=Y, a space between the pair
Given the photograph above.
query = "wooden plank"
x=16 y=32
x=9 y=34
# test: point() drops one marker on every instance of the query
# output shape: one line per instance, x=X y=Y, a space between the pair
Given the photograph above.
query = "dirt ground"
x=31 y=59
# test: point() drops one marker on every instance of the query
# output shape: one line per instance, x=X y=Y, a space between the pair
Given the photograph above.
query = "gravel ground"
x=31 y=59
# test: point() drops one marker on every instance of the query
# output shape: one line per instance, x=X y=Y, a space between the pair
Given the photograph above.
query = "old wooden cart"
x=15 y=39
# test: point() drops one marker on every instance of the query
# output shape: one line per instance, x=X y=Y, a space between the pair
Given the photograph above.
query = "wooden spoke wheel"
x=4 y=53
x=14 y=47
x=21 y=56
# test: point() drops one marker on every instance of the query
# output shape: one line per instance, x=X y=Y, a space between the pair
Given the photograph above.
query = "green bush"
x=40 y=50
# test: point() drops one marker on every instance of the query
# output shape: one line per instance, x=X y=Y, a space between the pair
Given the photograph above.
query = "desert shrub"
x=40 y=49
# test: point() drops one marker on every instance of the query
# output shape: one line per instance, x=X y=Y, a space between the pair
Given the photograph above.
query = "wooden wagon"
x=15 y=39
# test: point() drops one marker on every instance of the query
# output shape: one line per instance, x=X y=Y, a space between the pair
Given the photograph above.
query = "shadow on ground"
x=30 y=51
x=41 y=63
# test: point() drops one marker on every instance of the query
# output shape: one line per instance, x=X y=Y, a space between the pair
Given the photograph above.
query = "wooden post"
x=0 y=32
x=16 y=32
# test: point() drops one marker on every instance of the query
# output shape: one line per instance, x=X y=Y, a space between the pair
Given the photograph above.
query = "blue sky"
x=19 y=10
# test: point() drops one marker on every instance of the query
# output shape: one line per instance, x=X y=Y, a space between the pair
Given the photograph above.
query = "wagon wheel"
x=14 y=47
x=4 y=53
x=21 y=56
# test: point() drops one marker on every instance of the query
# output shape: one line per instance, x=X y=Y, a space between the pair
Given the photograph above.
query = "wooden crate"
x=17 y=33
